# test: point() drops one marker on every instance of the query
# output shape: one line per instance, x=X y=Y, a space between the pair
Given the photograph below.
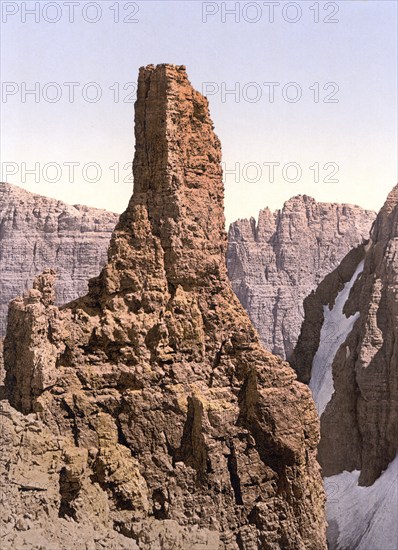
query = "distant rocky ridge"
x=275 y=263
x=170 y=422
x=348 y=353
x=38 y=232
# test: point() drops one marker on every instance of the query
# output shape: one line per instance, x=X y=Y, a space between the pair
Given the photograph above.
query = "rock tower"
x=179 y=417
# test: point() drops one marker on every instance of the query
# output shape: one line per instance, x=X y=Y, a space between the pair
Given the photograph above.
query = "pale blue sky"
x=358 y=133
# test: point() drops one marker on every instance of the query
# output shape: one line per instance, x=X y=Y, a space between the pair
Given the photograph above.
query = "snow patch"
x=335 y=329
x=364 y=518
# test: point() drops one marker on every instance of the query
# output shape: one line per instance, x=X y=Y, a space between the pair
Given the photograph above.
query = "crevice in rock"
x=71 y=416
x=232 y=464
x=240 y=542
x=120 y=434
x=159 y=504
x=192 y=450
x=125 y=530
x=170 y=449
x=69 y=490
x=216 y=362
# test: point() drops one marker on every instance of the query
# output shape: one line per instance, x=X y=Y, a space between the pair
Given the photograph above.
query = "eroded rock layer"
x=275 y=263
x=358 y=382
x=178 y=415
x=38 y=232
x=38 y=472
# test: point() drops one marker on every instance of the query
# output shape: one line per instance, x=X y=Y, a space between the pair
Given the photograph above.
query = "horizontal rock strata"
x=38 y=232
x=275 y=263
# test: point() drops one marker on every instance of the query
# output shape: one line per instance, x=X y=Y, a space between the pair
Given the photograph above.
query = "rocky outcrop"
x=38 y=232
x=348 y=353
x=39 y=473
x=193 y=434
x=275 y=263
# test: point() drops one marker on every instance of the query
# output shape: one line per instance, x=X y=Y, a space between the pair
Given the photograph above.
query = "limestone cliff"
x=192 y=435
x=38 y=232
x=348 y=353
x=275 y=263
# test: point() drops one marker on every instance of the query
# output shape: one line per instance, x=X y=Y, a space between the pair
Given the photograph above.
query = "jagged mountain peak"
x=275 y=263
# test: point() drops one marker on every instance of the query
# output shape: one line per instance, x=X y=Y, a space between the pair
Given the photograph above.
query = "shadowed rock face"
x=275 y=263
x=359 y=426
x=38 y=232
x=158 y=373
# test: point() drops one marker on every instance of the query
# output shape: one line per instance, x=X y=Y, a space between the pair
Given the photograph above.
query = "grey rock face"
x=358 y=383
x=275 y=263
x=38 y=232
x=359 y=426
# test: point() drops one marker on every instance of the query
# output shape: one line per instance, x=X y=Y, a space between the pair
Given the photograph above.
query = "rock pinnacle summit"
x=183 y=431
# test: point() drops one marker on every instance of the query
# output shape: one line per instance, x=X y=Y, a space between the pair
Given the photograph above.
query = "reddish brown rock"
x=198 y=437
